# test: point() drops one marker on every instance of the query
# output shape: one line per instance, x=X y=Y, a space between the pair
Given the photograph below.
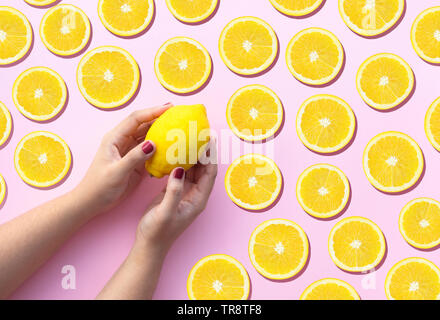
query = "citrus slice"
x=15 y=35
x=323 y=191
x=40 y=3
x=330 y=289
x=42 y=159
x=315 y=56
x=5 y=124
x=432 y=124
x=193 y=11
x=296 y=8
x=253 y=182
x=182 y=65
x=2 y=189
x=413 y=279
x=371 y=18
x=248 y=45
x=425 y=35
x=384 y=81
x=39 y=93
x=108 y=77
x=393 y=162
x=254 y=113
x=218 y=277
x=419 y=223
x=356 y=244
x=325 y=123
x=278 y=249
x=65 y=30
x=126 y=17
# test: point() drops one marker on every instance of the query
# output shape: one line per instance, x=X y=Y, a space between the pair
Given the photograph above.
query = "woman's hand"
x=119 y=163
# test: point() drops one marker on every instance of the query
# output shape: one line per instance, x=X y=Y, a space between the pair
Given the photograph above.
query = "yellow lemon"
x=248 y=45
x=182 y=65
x=254 y=113
x=218 y=277
x=425 y=35
x=253 y=182
x=108 y=77
x=39 y=93
x=296 y=8
x=15 y=35
x=42 y=159
x=2 y=189
x=5 y=124
x=419 y=223
x=325 y=123
x=278 y=249
x=384 y=81
x=192 y=11
x=413 y=279
x=315 y=56
x=432 y=124
x=330 y=289
x=40 y=3
x=393 y=162
x=126 y=17
x=371 y=18
x=65 y=30
x=356 y=244
x=323 y=191
x=181 y=135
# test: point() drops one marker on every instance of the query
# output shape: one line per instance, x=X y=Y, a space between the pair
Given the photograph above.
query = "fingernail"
x=168 y=104
x=147 y=147
x=178 y=173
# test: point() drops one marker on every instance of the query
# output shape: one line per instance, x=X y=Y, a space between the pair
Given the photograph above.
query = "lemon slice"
x=425 y=35
x=65 y=30
x=182 y=65
x=108 y=77
x=315 y=56
x=2 y=189
x=330 y=289
x=325 y=123
x=42 y=159
x=384 y=81
x=356 y=244
x=254 y=113
x=40 y=3
x=413 y=279
x=393 y=162
x=39 y=93
x=432 y=124
x=5 y=124
x=126 y=17
x=296 y=8
x=323 y=191
x=253 y=182
x=192 y=11
x=371 y=18
x=218 y=277
x=278 y=249
x=248 y=45
x=419 y=223
x=15 y=35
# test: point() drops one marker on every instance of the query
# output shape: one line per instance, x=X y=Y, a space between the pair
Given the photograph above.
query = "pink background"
x=99 y=248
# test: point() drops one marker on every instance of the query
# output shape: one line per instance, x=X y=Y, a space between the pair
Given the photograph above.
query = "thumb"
x=174 y=191
x=137 y=156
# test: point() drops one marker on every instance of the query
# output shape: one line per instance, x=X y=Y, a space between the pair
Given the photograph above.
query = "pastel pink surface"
x=100 y=247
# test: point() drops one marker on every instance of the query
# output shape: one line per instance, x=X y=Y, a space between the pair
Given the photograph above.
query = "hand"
x=176 y=207
x=119 y=163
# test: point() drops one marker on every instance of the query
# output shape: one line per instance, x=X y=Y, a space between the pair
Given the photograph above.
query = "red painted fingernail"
x=178 y=174
x=147 y=147
x=168 y=104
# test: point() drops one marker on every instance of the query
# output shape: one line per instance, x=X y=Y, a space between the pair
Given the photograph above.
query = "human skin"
x=29 y=240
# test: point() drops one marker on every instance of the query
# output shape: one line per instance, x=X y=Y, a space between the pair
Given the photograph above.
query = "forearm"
x=29 y=240
x=137 y=277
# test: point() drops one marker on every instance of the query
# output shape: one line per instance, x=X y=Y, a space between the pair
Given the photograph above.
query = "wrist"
x=84 y=202
x=144 y=251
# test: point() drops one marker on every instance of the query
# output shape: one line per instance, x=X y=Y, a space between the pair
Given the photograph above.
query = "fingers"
x=205 y=181
x=136 y=157
x=173 y=192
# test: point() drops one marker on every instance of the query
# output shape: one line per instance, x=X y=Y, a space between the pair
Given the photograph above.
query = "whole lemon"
x=180 y=134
